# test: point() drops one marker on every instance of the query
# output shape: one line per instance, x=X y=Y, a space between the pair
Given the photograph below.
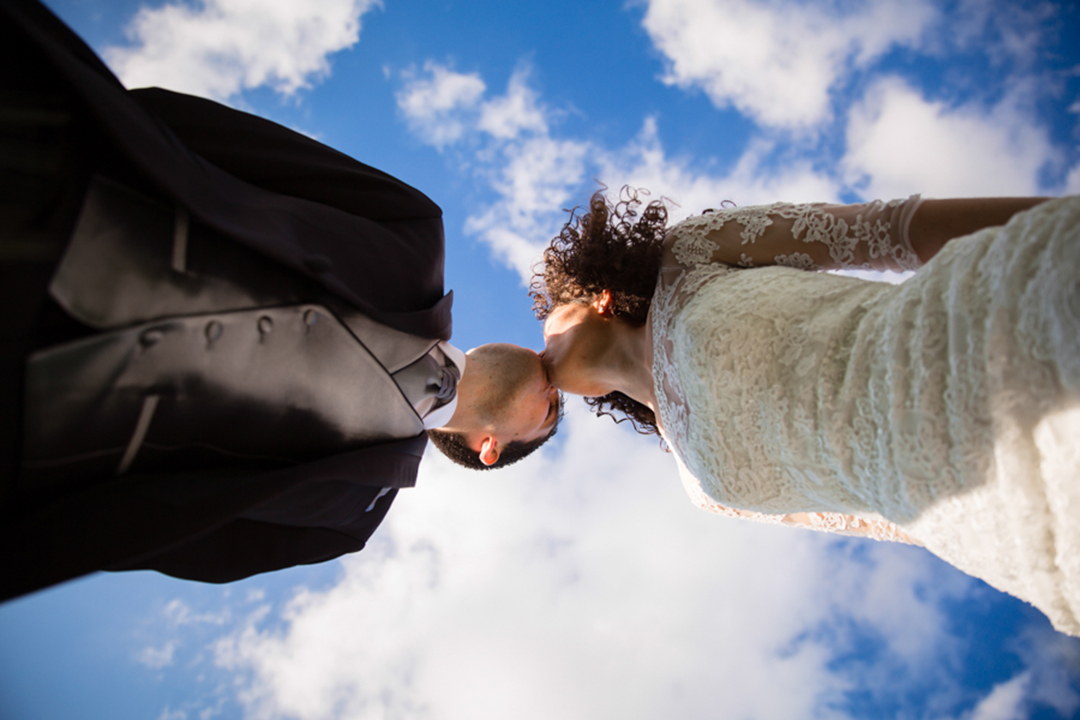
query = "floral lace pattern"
x=831 y=522
x=858 y=237
x=694 y=250
x=944 y=411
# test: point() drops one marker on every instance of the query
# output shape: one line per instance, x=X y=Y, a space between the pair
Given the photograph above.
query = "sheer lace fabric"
x=945 y=410
x=806 y=236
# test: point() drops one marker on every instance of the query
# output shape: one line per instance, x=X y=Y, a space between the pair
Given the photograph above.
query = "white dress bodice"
x=942 y=410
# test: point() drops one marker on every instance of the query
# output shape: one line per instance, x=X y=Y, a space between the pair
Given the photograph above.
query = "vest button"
x=317 y=263
x=265 y=324
x=311 y=317
x=213 y=330
x=151 y=337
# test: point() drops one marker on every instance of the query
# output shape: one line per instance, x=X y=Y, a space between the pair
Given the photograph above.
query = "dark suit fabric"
x=364 y=236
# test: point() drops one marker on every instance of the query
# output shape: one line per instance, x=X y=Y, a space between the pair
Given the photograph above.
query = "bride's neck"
x=628 y=361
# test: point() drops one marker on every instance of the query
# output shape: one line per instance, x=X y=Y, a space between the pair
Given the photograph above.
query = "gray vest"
x=208 y=354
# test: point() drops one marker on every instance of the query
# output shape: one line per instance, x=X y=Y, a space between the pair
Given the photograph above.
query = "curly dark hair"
x=615 y=247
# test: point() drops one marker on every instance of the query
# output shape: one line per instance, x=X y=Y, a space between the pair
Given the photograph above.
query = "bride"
x=944 y=411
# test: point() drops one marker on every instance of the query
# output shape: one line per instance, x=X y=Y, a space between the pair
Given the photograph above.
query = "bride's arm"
x=850 y=525
x=830 y=522
x=936 y=222
x=898 y=235
x=874 y=527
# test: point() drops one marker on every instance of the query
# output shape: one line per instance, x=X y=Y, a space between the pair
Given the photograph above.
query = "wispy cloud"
x=179 y=613
x=508 y=143
x=561 y=589
x=170 y=714
x=522 y=596
x=517 y=111
x=440 y=104
x=899 y=143
x=157 y=658
x=754 y=179
x=1072 y=182
x=1003 y=31
x=795 y=67
x=782 y=64
x=1005 y=702
x=1050 y=664
x=778 y=62
x=219 y=48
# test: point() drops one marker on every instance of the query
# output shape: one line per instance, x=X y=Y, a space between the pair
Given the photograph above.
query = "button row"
x=214 y=329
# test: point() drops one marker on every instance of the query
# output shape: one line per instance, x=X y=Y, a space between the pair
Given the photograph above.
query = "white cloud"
x=580 y=585
x=644 y=163
x=789 y=66
x=900 y=143
x=157 y=658
x=1005 y=701
x=534 y=175
x=179 y=613
x=218 y=48
x=439 y=106
x=1053 y=662
x=777 y=62
x=534 y=179
x=1003 y=30
x=1072 y=182
x=540 y=177
x=518 y=110
x=897 y=141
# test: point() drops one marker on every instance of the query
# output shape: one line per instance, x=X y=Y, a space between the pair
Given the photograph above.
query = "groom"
x=224 y=344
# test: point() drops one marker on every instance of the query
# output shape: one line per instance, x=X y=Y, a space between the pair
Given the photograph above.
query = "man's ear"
x=489 y=451
x=603 y=303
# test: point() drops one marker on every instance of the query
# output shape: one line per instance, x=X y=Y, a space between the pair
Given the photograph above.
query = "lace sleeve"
x=818 y=236
x=830 y=522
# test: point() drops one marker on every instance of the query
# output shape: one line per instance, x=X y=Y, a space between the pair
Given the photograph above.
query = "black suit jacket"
x=365 y=236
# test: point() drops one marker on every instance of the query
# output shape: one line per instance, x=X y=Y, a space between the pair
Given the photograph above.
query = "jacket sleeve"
x=214 y=526
x=244 y=547
x=275 y=158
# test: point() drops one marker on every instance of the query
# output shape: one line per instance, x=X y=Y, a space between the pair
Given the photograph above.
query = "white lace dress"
x=944 y=410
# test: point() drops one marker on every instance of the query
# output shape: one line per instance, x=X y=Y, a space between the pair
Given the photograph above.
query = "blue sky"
x=584 y=584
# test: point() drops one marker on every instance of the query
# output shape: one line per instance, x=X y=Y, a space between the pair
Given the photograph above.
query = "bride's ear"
x=603 y=304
